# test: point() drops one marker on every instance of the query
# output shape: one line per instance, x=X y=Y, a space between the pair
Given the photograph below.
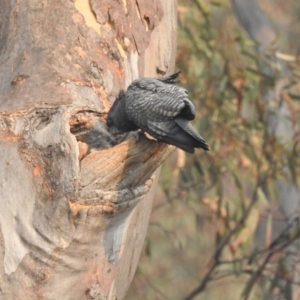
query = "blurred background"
x=225 y=224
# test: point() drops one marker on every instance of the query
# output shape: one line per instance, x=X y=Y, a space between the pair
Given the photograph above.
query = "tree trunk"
x=75 y=199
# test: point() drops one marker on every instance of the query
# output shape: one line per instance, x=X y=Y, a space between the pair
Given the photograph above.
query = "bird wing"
x=188 y=128
x=191 y=131
x=153 y=99
x=171 y=133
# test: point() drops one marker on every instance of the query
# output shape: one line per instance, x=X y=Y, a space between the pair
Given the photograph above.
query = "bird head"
x=117 y=116
x=115 y=113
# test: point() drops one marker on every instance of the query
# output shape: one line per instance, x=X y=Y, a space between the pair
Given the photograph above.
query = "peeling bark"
x=75 y=198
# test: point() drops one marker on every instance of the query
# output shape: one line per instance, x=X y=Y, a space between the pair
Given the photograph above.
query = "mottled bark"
x=75 y=199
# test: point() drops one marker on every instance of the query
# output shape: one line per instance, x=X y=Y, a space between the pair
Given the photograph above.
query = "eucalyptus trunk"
x=75 y=198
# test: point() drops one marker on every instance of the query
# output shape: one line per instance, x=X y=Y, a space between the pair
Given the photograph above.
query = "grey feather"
x=159 y=107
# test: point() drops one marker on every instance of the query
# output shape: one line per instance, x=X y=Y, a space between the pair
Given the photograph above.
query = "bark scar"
x=111 y=202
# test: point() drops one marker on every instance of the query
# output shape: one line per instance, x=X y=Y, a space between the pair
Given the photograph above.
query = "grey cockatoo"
x=160 y=108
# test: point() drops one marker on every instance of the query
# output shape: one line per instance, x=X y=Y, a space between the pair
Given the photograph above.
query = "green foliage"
x=207 y=213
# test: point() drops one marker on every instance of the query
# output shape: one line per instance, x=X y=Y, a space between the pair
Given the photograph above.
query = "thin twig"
x=216 y=258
